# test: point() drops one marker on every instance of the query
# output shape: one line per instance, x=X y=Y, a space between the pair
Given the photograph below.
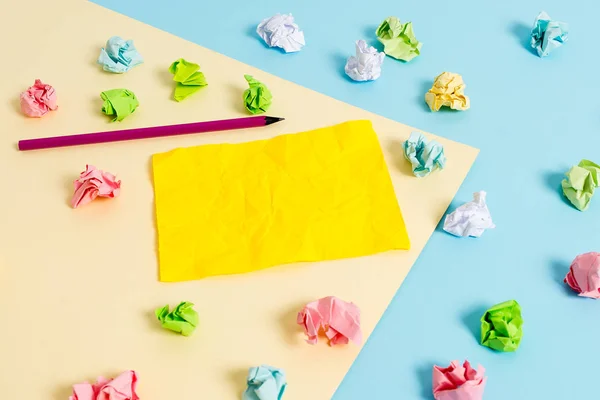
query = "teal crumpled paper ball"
x=424 y=156
x=119 y=55
x=265 y=383
x=548 y=34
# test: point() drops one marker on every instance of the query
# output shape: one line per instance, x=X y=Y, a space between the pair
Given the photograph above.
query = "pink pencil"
x=146 y=133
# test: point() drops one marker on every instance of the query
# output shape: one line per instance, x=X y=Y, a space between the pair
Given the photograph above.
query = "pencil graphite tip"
x=272 y=120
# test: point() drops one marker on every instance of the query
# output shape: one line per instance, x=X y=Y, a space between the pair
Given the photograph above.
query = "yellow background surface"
x=324 y=194
x=78 y=287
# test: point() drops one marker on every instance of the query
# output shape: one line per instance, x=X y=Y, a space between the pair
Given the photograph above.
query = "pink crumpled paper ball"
x=120 y=388
x=38 y=100
x=339 y=320
x=458 y=382
x=93 y=183
x=584 y=275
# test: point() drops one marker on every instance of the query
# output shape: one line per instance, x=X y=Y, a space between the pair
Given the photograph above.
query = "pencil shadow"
x=425 y=379
x=472 y=320
x=290 y=328
x=559 y=270
x=553 y=182
x=522 y=34
x=239 y=379
x=395 y=147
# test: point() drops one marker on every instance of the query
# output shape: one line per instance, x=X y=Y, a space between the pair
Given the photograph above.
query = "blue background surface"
x=532 y=118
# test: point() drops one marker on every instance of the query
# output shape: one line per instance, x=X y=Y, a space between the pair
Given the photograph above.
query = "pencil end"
x=272 y=120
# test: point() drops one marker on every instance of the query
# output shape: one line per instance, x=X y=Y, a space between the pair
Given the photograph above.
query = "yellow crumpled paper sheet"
x=318 y=195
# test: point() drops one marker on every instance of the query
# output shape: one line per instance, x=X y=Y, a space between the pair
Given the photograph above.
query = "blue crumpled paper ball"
x=119 y=55
x=265 y=383
x=424 y=156
x=547 y=34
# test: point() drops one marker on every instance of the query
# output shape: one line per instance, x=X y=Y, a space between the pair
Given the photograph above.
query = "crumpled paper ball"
x=584 y=275
x=119 y=102
x=119 y=55
x=281 y=31
x=424 y=155
x=366 y=65
x=547 y=34
x=183 y=319
x=502 y=326
x=189 y=78
x=398 y=39
x=38 y=99
x=93 y=183
x=471 y=218
x=458 y=382
x=339 y=320
x=580 y=184
x=257 y=98
x=265 y=383
x=120 y=388
x=447 y=90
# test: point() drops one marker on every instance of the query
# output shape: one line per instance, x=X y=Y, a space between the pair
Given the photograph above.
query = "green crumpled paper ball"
x=257 y=98
x=580 y=183
x=502 y=326
x=398 y=39
x=119 y=103
x=183 y=319
x=188 y=77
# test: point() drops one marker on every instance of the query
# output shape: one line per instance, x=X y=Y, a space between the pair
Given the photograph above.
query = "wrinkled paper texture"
x=448 y=90
x=398 y=39
x=183 y=319
x=119 y=103
x=458 y=382
x=119 y=55
x=424 y=155
x=339 y=320
x=265 y=383
x=581 y=183
x=235 y=208
x=281 y=31
x=94 y=183
x=584 y=275
x=257 y=98
x=188 y=77
x=38 y=99
x=470 y=219
x=120 y=388
x=502 y=326
x=366 y=65
x=547 y=34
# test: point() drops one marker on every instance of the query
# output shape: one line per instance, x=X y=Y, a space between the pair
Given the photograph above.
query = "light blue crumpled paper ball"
x=425 y=156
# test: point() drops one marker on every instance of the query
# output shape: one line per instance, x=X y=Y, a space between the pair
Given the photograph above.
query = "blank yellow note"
x=232 y=208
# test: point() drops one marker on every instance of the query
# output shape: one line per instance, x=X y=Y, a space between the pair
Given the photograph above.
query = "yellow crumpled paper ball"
x=447 y=90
